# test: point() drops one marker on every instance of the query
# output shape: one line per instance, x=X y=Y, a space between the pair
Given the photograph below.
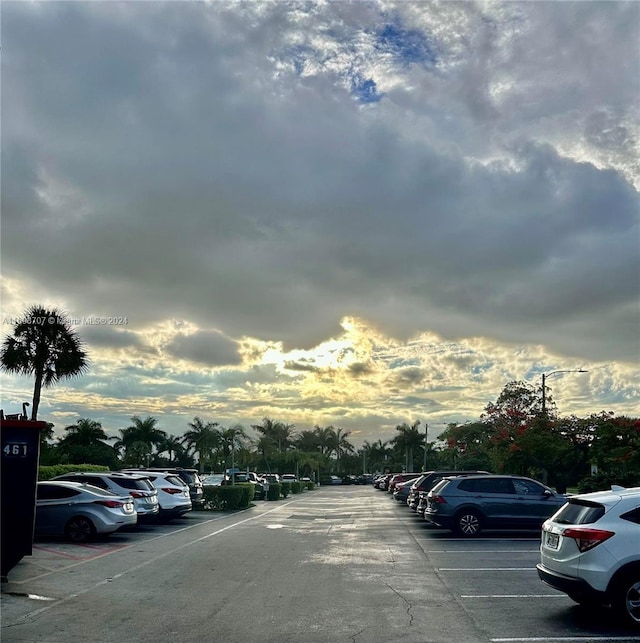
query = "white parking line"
x=486 y=569
x=513 y=596
x=482 y=551
x=149 y=561
x=566 y=638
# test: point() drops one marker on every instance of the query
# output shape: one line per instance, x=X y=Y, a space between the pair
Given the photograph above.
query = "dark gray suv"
x=468 y=505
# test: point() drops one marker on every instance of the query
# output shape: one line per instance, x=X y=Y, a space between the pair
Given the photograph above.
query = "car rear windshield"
x=133 y=483
x=188 y=477
x=579 y=512
x=440 y=486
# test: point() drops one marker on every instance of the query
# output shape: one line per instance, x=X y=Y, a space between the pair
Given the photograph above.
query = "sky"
x=355 y=214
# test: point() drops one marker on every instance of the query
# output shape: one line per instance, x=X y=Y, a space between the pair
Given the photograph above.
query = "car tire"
x=468 y=523
x=626 y=598
x=80 y=530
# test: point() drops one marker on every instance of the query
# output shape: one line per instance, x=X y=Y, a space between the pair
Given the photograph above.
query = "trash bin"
x=20 y=459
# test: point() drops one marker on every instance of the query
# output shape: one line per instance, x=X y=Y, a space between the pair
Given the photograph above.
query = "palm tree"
x=307 y=441
x=232 y=440
x=339 y=444
x=380 y=452
x=45 y=346
x=203 y=439
x=139 y=439
x=85 y=433
x=409 y=438
x=172 y=445
x=280 y=435
x=85 y=443
x=324 y=436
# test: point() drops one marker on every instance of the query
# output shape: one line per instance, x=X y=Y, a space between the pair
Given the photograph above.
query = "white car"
x=590 y=550
x=173 y=494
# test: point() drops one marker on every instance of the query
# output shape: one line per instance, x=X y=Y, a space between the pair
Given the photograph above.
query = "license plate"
x=552 y=541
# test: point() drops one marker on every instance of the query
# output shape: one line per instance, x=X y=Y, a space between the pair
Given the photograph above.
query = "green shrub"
x=310 y=485
x=275 y=489
x=603 y=481
x=51 y=471
x=286 y=489
x=297 y=487
x=228 y=497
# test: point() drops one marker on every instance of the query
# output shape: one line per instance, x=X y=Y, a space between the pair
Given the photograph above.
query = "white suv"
x=590 y=550
x=173 y=494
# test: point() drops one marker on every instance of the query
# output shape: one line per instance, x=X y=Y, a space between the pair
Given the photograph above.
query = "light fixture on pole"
x=544 y=385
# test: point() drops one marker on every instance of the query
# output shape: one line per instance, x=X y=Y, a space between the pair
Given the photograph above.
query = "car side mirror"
x=547 y=493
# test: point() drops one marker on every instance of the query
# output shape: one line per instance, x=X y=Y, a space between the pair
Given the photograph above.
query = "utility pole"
x=426 y=432
x=544 y=385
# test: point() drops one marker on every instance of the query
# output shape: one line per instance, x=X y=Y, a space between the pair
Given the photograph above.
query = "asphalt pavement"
x=337 y=564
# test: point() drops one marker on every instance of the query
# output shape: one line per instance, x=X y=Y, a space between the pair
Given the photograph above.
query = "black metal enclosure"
x=20 y=459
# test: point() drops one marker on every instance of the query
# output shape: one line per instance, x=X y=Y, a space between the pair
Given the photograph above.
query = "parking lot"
x=335 y=564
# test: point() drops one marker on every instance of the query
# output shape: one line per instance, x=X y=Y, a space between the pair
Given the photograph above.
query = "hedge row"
x=603 y=481
x=240 y=495
x=48 y=472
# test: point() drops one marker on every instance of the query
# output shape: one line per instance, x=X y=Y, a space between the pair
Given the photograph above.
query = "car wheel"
x=80 y=530
x=468 y=523
x=626 y=598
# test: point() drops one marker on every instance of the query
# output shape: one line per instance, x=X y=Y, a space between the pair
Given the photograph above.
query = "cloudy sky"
x=347 y=213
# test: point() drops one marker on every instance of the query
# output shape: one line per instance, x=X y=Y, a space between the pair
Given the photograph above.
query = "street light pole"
x=544 y=385
x=426 y=430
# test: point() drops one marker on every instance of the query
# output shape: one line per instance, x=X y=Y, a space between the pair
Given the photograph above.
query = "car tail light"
x=172 y=490
x=587 y=538
x=112 y=504
x=137 y=494
x=438 y=499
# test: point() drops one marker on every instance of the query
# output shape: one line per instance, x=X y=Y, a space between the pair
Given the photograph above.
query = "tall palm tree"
x=232 y=439
x=339 y=444
x=85 y=442
x=139 y=439
x=279 y=434
x=324 y=436
x=408 y=439
x=307 y=441
x=85 y=433
x=45 y=346
x=172 y=445
x=203 y=439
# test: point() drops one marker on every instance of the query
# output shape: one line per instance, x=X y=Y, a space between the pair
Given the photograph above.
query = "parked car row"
x=83 y=505
x=467 y=502
x=590 y=543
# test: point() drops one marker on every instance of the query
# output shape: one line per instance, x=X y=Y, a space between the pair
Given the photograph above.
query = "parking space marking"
x=147 y=562
x=566 y=638
x=482 y=551
x=56 y=552
x=513 y=596
x=486 y=569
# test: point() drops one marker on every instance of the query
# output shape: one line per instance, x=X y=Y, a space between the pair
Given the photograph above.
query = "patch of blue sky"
x=408 y=46
x=479 y=369
x=365 y=90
